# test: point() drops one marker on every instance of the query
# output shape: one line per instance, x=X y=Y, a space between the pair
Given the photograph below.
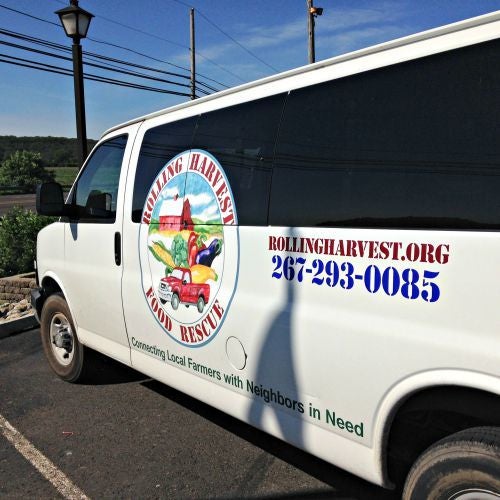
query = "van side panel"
x=345 y=222
x=343 y=268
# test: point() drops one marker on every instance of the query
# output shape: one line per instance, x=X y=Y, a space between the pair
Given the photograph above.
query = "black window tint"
x=411 y=145
x=96 y=191
x=242 y=138
x=159 y=146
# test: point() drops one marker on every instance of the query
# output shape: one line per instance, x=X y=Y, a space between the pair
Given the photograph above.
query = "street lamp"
x=75 y=22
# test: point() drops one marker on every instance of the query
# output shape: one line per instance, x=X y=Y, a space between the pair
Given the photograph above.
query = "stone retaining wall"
x=17 y=288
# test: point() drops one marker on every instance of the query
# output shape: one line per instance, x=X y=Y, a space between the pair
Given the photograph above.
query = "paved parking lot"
x=126 y=436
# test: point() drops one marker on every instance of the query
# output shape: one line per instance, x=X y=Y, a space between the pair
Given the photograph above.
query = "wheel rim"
x=475 y=494
x=61 y=339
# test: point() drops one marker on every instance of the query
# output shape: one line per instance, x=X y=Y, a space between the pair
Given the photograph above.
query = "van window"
x=96 y=190
x=242 y=138
x=404 y=146
x=159 y=146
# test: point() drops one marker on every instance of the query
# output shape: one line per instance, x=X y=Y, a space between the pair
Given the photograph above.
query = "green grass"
x=65 y=175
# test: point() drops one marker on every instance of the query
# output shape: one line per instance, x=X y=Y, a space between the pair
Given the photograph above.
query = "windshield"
x=177 y=273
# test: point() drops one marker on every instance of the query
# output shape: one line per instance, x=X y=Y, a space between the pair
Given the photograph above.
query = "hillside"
x=55 y=151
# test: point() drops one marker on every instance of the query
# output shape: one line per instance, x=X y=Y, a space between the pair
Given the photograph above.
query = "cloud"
x=200 y=199
x=271 y=36
x=210 y=212
x=386 y=13
x=339 y=29
x=357 y=39
x=284 y=44
x=333 y=21
x=169 y=192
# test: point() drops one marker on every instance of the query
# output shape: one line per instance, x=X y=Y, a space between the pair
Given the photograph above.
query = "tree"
x=24 y=170
x=18 y=232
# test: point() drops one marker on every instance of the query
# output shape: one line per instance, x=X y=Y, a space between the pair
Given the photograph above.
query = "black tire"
x=163 y=301
x=200 y=304
x=465 y=462
x=56 y=316
x=175 y=301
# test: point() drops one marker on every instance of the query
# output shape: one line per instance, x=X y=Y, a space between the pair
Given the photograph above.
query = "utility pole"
x=193 y=62
x=312 y=12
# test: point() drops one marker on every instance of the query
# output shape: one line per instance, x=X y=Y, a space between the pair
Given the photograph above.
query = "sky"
x=237 y=41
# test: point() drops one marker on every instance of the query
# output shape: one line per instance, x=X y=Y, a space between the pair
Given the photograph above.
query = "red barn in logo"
x=175 y=215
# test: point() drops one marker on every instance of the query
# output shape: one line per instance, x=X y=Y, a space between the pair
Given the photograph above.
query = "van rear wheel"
x=462 y=466
x=64 y=352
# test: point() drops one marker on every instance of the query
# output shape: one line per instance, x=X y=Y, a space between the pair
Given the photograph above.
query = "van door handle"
x=118 y=249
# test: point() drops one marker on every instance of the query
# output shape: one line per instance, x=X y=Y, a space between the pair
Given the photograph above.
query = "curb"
x=18 y=325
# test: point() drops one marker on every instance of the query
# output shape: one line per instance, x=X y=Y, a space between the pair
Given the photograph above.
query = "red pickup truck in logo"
x=178 y=288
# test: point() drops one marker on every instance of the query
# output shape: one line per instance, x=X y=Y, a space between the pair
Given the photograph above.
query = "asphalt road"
x=22 y=200
x=126 y=436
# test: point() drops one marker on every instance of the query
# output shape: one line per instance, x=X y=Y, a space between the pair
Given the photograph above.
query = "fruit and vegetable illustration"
x=187 y=270
x=186 y=238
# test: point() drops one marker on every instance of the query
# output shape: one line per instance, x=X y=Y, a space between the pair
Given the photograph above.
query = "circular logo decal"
x=189 y=248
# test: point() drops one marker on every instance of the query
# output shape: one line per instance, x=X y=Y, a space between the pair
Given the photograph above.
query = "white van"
x=314 y=253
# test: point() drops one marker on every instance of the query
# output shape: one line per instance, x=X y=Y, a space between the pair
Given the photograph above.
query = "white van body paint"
x=350 y=355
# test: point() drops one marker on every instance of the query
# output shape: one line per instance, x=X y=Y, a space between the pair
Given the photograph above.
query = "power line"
x=28 y=15
x=17 y=61
x=236 y=42
x=100 y=66
x=64 y=71
x=177 y=44
x=56 y=46
x=166 y=62
x=122 y=47
x=226 y=34
x=172 y=64
x=65 y=49
x=105 y=58
x=142 y=75
x=88 y=37
x=164 y=40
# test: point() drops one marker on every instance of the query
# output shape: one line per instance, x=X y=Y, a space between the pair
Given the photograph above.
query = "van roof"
x=468 y=32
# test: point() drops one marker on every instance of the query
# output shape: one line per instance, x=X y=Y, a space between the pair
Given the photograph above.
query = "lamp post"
x=75 y=22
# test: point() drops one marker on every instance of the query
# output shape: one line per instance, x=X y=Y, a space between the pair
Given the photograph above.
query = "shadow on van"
x=339 y=484
x=275 y=369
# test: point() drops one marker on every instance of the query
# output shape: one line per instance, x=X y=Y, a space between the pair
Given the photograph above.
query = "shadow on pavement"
x=311 y=495
x=107 y=371
x=344 y=484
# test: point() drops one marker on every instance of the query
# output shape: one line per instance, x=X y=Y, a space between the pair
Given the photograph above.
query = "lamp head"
x=75 y=21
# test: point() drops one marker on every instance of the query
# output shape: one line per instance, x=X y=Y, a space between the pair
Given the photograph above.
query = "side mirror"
x=50 y=199
x=98 y=204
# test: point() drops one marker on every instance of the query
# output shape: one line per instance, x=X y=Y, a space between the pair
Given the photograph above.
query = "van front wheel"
x=462 y=466
x=65 y=354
